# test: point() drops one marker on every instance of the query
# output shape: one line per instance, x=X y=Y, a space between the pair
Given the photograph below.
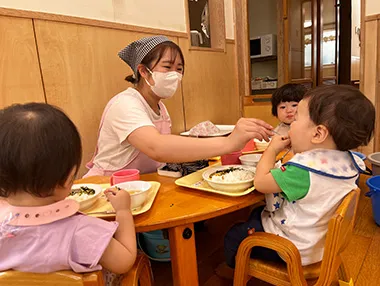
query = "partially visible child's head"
x=285 y=101
x=339 y=113
x=40 y=149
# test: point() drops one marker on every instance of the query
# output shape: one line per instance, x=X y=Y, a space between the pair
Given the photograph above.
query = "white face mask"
x=165 y=83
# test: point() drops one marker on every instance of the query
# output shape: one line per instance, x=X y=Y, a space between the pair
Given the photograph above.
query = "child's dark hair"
x=40 y=146
x=155 y=55
x=346 y=112
x=287 y=92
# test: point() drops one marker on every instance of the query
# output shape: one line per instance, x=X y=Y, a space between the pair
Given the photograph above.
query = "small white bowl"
x=261 y=145
x=227 y=186
x=250 y=159
x=86 y=203
x=137 y=199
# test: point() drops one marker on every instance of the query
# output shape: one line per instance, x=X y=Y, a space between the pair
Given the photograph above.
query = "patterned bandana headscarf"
x=135 y=52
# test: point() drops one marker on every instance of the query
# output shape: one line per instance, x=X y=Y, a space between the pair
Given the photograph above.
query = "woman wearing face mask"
x=134 y=131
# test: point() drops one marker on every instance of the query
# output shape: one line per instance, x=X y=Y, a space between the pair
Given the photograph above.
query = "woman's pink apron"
x=138 y=159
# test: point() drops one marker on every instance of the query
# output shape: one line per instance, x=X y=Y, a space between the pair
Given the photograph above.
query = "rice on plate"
x=231 y=175
x=230 y=178
x=85 y=194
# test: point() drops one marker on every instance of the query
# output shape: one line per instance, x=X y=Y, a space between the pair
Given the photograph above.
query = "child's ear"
x=320 y=134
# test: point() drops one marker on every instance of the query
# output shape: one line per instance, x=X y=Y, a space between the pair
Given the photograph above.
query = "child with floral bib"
x=304 y=193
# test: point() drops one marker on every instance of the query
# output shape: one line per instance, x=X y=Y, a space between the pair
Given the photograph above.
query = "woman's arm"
x=174 y=149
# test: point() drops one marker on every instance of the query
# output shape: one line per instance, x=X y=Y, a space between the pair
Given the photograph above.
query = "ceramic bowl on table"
x=85 y=194
x=138 y=191
x=253 y=159
x=229 y=178
x=250 y=159
x=261 y=144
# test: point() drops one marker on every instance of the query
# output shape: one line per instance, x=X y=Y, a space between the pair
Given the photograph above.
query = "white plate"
x=224 y=130
x=85 y=204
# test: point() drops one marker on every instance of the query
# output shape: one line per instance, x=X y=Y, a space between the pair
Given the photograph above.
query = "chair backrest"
x=140 y=274
x=338 y=236
x=59 y=278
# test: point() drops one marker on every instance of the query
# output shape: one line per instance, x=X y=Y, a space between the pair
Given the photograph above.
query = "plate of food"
x=230 y=178
x=208 y=129
x=85 y=194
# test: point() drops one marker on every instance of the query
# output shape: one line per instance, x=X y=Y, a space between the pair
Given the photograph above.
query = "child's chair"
x=140 y=274
x=293 y=274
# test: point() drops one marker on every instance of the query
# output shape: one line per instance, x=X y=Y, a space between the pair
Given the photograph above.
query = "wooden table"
x=177 y=209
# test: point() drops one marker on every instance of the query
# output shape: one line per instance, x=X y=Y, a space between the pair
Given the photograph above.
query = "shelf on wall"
x=263 y=91
x=264 y=59
x=263 y=99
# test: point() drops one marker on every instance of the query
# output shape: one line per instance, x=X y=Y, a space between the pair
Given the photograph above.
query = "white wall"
x=263 y=20
x=151 y=13
x=94 y=9
x=230 y=19
x=160 y=14
x=355 y=49
x=262 y=17
x=372 y=7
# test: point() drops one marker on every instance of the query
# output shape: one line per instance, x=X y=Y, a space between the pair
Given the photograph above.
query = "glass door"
x=302 y=64
x=319 y=37
x=328 y=35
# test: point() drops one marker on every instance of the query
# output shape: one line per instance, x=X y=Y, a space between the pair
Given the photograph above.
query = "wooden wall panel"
x=355 y=68
x=81 y=72
x=370 y=76
x=261 y=110
x=20 y=77
x=210 y=86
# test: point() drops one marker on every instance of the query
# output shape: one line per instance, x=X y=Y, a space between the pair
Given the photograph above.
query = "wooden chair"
x=293 y=273
x=140 y=274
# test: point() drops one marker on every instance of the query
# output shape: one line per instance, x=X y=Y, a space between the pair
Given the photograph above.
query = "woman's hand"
x=249 y=128
x=119 y=199
x=279 y=143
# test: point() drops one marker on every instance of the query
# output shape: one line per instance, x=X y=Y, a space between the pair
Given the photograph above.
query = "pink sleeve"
x=91 y=238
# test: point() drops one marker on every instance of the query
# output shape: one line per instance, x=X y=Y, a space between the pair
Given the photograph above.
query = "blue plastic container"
x=155 y=245
x=374 y=193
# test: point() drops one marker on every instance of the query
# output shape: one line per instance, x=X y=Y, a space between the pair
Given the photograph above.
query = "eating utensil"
x=286 y=153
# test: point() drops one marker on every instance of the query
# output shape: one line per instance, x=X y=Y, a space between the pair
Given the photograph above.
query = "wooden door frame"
x=376 y=138
x=242 y=46
x=243 y=69
x=362 y=39
x=344 y=67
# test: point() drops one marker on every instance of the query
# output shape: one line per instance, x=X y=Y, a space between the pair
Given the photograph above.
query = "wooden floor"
x=362 y=256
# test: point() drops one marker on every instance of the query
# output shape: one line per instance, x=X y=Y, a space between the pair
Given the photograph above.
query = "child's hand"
x=247 y=129
x=279 y=143
x=119 y=199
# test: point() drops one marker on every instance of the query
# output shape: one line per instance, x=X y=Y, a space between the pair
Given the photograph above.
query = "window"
x=329 y=42
x=206 y=24
x=199 y=15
